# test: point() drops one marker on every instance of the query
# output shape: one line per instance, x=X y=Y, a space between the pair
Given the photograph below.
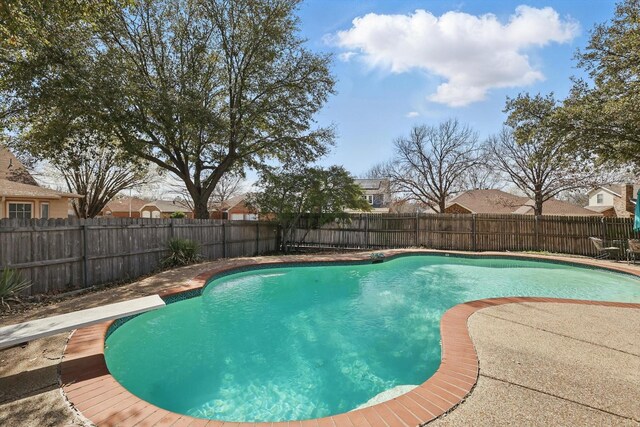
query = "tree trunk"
x=200 y=200
x=200 y=209
x=442 y=205
x=537 y=208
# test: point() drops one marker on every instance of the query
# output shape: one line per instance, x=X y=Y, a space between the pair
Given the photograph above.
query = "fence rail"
x=475 y=232
x=61 y=254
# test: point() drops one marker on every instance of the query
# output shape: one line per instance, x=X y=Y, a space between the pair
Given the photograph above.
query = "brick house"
x=164 y=209
x=235 y=209
x=615 y=200
x=21 y=196
x=125 y=207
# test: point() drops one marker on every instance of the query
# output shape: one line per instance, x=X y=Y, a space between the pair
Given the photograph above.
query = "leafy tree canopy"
x=601 y=114
x=200 y=88
x=290 y=193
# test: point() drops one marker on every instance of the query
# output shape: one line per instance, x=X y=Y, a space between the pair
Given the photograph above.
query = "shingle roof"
x=18 y=189
x=370 y=184
x=500 y=202
x=488 y=201
x=599 y=208
x=12 y=169
x=122 y=205
x=230 y=203
x=168 y=206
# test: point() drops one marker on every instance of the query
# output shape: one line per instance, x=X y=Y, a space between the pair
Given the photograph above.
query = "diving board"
x=34 y=329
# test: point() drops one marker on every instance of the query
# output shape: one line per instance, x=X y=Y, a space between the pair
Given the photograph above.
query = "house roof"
x=230 y=203
x=18 y=189
x=500 y=202
x=371 y=184
x=599 y=208
x=167 y=206
x=123 y=204
x=488 y=201
x=11 y=169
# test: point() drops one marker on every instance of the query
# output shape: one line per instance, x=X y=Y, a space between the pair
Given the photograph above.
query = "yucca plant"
x=11 y=284
x=182 y=252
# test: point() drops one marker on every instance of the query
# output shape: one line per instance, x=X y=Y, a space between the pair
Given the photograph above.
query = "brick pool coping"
x=89 y=387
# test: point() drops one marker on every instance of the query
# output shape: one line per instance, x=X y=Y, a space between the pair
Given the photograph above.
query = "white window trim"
x=48 y=205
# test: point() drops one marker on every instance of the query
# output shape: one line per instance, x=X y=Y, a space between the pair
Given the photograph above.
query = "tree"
x=199 y=88
x=289 y=193
x=533 y=156
x=431 y=164
x=602 y=115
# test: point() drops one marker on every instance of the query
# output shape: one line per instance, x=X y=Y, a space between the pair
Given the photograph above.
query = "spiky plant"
x=11 y=284
x=181 y=252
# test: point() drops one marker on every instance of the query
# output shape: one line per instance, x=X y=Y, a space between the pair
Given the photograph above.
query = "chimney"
x=627 y=195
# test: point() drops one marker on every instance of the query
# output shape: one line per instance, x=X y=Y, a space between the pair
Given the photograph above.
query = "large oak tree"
x=601 y=113
x=198 y=87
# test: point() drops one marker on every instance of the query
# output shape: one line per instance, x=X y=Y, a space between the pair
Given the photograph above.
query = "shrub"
x=11 y=284
x=182 y=252
x=178 y=215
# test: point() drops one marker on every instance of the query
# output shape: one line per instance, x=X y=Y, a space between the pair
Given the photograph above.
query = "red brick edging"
x=90 y=388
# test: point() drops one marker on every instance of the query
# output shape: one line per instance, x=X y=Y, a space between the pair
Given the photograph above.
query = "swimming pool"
x=300 y=342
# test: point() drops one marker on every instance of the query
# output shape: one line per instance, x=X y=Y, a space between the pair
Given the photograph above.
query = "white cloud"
x=346 y=56
x=473 y=54
x=412 y=114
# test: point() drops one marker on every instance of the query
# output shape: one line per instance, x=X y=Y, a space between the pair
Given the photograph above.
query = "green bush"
x=178 y=215
x=11 y=284
x=182 y=252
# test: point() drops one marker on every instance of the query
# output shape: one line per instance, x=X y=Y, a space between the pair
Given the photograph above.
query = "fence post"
x=85 y=256
x=474 y=231
x=417 y=229
x=537 y=232
x=366 y=231
x=170 y=228
x=603 y=229
x=224 y=240
x=257 y=238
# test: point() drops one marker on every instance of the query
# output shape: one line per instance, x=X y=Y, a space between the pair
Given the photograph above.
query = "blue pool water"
x=310 y=341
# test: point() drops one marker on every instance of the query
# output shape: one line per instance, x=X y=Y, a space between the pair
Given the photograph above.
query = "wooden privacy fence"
x=468 y=232
x=59 y=254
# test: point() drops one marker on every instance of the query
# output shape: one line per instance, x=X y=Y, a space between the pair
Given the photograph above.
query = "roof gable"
x=12 y=169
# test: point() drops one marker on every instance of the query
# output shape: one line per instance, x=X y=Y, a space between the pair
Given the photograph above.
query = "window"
x=368 y=198
x=44 y=210
x=599 y=198
x=20 y=210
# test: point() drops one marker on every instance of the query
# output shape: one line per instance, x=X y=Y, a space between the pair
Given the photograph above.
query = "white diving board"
x=34 y=329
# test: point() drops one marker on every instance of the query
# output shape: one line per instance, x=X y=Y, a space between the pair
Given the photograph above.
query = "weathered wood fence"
x=61 y=254
x=468 y=232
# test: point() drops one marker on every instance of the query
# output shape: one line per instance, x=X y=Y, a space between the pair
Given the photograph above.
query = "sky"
x=405 y=63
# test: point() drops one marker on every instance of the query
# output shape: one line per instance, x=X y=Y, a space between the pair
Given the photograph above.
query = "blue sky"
x=396 y=67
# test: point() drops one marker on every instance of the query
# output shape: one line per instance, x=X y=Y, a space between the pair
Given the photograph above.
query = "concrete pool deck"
x=514 y=382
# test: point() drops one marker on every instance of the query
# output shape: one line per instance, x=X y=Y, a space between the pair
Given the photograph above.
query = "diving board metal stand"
x=28 y=331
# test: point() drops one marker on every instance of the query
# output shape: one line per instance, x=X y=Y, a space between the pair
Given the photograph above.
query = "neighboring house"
x=615 y=200
x=21 y=197
x=500 y=202
x=235 y=209
x=377 y=192
x=126 y=207
x=163 y=209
